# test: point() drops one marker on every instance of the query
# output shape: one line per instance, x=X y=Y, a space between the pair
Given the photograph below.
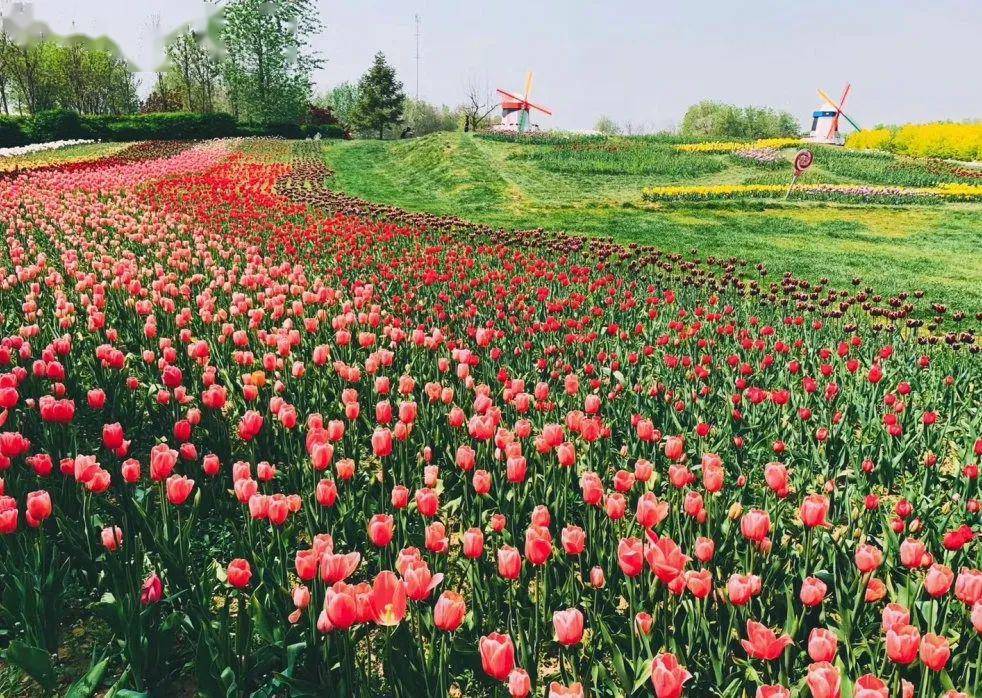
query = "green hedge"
x=60 y=124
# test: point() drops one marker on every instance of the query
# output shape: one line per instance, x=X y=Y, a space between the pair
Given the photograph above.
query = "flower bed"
x=281 y=441
x=39 y=147
x=818 y=192
x=732 y=146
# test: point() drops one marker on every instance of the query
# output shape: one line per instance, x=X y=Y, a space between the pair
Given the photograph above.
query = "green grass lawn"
x=894 y=248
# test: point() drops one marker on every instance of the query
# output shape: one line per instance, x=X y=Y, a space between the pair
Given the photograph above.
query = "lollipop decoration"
x=802 y=161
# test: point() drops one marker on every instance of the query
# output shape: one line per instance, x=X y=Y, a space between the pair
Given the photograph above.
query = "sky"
x=637 y=61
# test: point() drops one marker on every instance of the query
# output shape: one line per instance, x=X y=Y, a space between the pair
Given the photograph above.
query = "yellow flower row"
x=953 y=192
x=732 y=146
x=939 y=140
x=961 y=192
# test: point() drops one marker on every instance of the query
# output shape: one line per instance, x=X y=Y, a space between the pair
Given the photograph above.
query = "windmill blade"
x=851 y=122
x=545 y=111
x=528 y=85
x=838 y=111
x=510 y=95
x=842 y=99
x=828 y=99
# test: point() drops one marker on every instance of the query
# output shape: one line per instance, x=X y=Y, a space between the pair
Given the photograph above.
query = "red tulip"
x=179 y=489
x=388 y=599
x=497 y=655
x=667 y=676
x=934 y=651
x=705 y=548
x=381 y=529
x=382 y=442
x=569 y=626
x=823 y=680
x=557 y=690
x=341 y=605
x=449 y=611
x=938 y=580
x=630 y=556
x=813 y=591
x=869 y=686
x=112 y=538
x=238 y=573
x=772 y=691
x=509 y=562
x=472 y=543
x=665 y=559
x=38 y=507
x=419 y=580
x=573 y=539
x=152 y=590
x=112 y=436
x=538 y=545
x=162 y=462
x=519 y=683
x=755 y=525
x=336 y=567
x=427 y=501
x=902 y=643
x=822 y=645
x=868 y=558
x=741 y=588
x=814 y=510
x=674 y=449
x=968 y=586
x=912 y=552
x=764 y=643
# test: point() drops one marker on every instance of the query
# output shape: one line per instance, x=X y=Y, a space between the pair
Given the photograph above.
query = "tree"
x=341 y=101
x=478 y=105
x=192 y=72
x=606 y=126
x=39 y=75
x=267 y=68
x=162 y=98
x=423 y=118
x=380 y=99
x=709 y=119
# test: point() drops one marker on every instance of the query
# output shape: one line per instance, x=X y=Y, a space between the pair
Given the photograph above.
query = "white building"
x=825 y=127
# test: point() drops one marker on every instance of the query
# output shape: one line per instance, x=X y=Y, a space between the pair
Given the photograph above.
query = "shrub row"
x=61 y=125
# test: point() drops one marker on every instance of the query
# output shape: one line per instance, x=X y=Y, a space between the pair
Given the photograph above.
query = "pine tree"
x=380 y=98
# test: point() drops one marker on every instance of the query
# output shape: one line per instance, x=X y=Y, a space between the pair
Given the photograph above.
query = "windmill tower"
x=825 y=120
x=515 y=110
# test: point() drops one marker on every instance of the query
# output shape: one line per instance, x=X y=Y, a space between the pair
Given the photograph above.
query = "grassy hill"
x=596 y=190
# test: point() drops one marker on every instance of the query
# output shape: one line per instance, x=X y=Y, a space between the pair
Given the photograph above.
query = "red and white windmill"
x=515 y=110
x=825 y=119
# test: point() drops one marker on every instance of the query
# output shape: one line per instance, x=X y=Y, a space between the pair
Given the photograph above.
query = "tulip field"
x=259 y=437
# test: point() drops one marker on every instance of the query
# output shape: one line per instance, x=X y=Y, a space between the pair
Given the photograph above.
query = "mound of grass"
x=498 y=182
x=879 y=168
x=622 y=156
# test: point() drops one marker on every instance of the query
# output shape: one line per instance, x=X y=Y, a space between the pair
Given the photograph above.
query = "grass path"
x=894 y=248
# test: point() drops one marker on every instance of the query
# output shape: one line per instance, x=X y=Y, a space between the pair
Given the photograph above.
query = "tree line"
x=41 y=75
x=255 y=62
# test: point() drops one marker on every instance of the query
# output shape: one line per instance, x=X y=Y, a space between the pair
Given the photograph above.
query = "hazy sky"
x=638 y=60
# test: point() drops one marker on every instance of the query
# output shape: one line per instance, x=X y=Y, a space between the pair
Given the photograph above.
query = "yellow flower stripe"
x=953 y=192
x=937 y=140
x=732 y=146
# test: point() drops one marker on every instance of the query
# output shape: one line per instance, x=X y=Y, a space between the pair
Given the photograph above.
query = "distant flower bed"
x=733 y=146
x=758 y=156
x=819 y=192
x=38 y=147
x=955 y=141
